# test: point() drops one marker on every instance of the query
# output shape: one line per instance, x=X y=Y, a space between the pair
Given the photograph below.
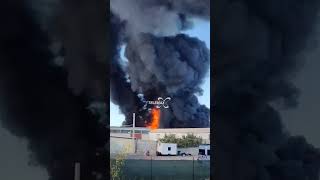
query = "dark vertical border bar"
x=213 y=72
x=258 y=50
x=46 y=103
x=107 y=90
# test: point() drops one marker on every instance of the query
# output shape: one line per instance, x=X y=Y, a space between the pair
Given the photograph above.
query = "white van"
x=166 y=149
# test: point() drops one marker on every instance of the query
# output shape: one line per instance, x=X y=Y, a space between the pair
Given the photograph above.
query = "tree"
x=190 y=140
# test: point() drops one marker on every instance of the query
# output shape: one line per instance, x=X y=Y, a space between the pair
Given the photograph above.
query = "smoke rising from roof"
x=161 y=61
x=177 y=63
x=256 y=46
x=171 y=66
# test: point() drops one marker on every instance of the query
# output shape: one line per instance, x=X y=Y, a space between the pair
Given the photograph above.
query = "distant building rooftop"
x=182 y=130
x=165 y=130
x=127 y=128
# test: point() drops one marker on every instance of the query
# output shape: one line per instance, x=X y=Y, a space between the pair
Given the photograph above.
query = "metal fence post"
x=77 y=171
x=193 y=166
x=151 y=167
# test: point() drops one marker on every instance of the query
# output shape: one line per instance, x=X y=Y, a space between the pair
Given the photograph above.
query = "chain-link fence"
x=155 y=168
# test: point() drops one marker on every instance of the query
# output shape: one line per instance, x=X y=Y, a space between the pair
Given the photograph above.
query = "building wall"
x=146 y=134
x=146 y=145
x=140 y=147
x=118 y=145
x=120 y=139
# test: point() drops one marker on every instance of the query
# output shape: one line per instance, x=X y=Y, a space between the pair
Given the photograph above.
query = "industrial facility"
x=145 y=133
x=138 y=140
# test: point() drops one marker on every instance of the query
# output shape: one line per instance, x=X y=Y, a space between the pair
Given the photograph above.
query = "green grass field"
x=166 y=170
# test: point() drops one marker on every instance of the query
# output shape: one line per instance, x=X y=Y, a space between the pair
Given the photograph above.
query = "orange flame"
x=155 y=119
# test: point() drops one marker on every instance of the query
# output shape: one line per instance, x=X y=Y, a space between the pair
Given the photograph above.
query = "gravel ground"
x=142 y=157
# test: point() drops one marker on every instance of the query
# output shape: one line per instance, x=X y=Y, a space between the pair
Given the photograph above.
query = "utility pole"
x=77 y=171
x=133 y=133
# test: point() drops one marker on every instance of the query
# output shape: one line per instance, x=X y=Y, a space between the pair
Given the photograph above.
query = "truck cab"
x=204 y=151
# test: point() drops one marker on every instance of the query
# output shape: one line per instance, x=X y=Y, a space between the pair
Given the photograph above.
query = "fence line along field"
x=168 y=169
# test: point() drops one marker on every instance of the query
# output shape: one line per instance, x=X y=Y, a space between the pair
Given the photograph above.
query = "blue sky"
x=201 y=30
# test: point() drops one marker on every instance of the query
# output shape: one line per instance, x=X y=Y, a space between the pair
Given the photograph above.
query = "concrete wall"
x=146 y=145
x=118 y=145
x=121 y=144
x=121 y=141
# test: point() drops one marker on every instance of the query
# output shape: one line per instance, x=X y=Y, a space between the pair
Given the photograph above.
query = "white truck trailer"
x=166 y=149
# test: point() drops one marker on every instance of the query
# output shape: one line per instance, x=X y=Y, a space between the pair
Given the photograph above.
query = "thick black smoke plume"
x=120 y=90
x=174 y=67
x=36 y=100
x=161 y=61
x=256 y=45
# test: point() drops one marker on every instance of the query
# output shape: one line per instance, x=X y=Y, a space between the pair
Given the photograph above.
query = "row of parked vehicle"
x=170 y=149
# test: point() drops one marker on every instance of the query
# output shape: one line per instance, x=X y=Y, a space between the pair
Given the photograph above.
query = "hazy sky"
x=201 y=30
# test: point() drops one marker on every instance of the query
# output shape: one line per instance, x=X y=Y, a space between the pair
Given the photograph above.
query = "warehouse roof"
x=182 y=130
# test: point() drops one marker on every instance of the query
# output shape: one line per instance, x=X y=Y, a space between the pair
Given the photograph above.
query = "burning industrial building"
x=162 y=62
x=49 y=104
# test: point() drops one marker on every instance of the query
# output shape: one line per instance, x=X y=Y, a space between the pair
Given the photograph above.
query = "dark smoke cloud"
x=37 y=102
x=171 y=66
x=297 y=160
x=256 y=45
x=120 y=89
x=84 y=34
x=161 y=61
x=164 y=18
x=177 y=63
x=77 y=27
x=197 y=8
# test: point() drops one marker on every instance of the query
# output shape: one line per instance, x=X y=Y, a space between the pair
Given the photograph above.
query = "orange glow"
x=155 y=121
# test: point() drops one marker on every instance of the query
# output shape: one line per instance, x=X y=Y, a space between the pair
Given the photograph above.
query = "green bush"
x=117 y=164
x=189 y=140
x=116 y=167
